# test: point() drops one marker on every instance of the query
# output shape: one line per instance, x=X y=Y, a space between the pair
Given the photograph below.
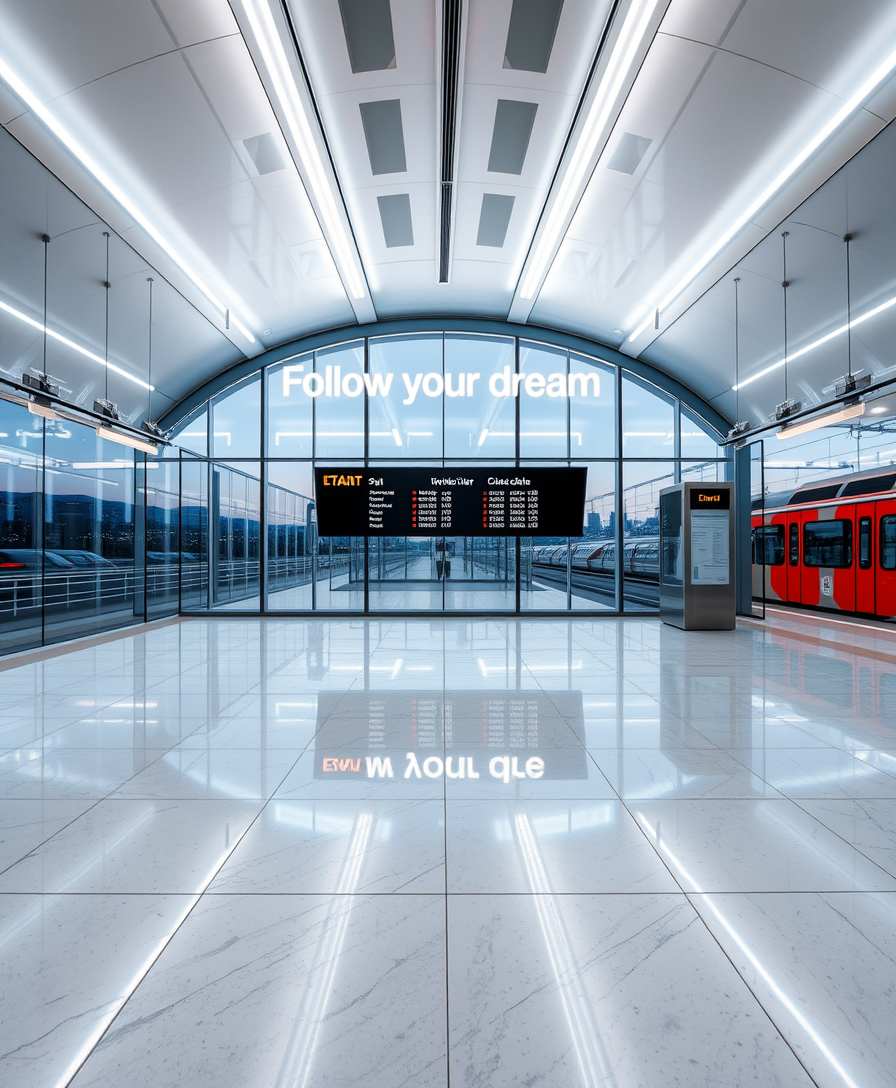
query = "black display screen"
x=450 y=501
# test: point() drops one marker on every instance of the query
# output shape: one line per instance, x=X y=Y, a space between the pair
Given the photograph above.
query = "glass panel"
x=88 y=533
x=237 y=421
x=648 y=421
x=768 y=545
x=827 y=543
x=21 y=562
x=194 y=521
x=703 y=471
x=865 y=543
x=162 y=533
x=413 y=429
x=290 y=535
x=482 y=425
x=888 y=542
x=194 y=436
x=233 y=550
x=592 y=428
x=406 y=573
x=338 y=420
x=338 y=564
x=544 y=405
x=695 y=439
x=479 y=573
x=543 y=574
x=642 y=483
x=794 y=545
x=289 y=414
x=592 y=555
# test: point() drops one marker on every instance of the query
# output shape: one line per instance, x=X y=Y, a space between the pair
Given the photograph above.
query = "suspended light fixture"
x=42 y=394
x=839 y=415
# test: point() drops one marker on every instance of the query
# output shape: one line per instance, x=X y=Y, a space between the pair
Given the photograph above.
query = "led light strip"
x=22 y=91
x=817 y=343
x=266 y=35
x=71 y=344
x=611 y=83
x=846 y=110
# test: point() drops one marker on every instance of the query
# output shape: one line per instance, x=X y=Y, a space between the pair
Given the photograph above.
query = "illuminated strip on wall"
x=274 y=55
x=844 y=113
x=612 y=81
x=817 y=343
x=22 y=91
x=71 y=344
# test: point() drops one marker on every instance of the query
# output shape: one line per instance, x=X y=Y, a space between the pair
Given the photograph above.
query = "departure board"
x=450 y=501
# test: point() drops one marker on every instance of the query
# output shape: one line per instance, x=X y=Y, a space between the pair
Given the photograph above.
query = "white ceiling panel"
x=170 y=101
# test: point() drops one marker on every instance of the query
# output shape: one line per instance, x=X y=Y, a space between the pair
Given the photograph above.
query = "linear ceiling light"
x=611 y=83
x=71 y=344
x=22 y=91
x=277 y=63
x=817 y=343
x=826 y=420
x=128 y=440
x=846 y=110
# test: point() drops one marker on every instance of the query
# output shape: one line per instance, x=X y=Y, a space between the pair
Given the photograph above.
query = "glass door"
x=478 y=573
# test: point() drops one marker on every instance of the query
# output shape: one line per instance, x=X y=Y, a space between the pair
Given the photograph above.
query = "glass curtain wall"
x=432 y=399
x=93 y=536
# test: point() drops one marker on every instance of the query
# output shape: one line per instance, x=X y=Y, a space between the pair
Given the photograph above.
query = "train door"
x=810 y=574
x=794 y=595
x=864 y=557
x=844 y=569
x=885 y=564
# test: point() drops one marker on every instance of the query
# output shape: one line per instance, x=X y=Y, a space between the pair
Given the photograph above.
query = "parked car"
x=80 y=558
x=32 y=560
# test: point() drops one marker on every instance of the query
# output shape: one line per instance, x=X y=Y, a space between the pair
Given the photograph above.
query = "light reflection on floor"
x=376 y=853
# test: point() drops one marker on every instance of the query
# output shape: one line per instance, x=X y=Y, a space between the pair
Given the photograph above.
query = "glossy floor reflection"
x=587 y=854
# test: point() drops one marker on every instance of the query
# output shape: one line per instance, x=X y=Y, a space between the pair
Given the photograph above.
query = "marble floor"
x=503 y=853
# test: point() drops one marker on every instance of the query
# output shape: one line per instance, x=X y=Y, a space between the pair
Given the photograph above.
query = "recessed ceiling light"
x=878 y=410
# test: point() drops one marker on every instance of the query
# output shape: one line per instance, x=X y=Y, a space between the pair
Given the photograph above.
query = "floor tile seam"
x=49 y=838
x=779 y=1031
x=163 y=947
x=853 y=845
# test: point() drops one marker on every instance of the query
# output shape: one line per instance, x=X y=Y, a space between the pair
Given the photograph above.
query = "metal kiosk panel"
x=697 y=587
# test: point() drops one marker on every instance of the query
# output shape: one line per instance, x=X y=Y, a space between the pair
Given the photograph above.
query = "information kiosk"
x=697 y=590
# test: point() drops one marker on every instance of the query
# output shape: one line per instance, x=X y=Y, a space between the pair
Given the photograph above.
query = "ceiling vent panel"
x=368 y=34
x=385 y=136
x=494 y=219
x=395 y=215
x=510 y=137
x=265 y=153
x=530 y=38
x=628 y=153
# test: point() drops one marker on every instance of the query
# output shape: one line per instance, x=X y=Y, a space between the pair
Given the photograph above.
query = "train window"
x=794 y=545
x=827 y=543
x=768 y=545
x=869 y=486
x=864 y=543
x=816 y=494
x=888 y=542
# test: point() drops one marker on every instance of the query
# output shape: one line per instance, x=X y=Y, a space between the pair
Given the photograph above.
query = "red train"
x=829 y=544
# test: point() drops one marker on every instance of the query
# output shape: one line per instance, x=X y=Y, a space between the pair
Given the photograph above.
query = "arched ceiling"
x=282 y=168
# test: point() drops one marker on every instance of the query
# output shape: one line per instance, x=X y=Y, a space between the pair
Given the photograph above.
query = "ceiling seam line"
x=312 y=96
